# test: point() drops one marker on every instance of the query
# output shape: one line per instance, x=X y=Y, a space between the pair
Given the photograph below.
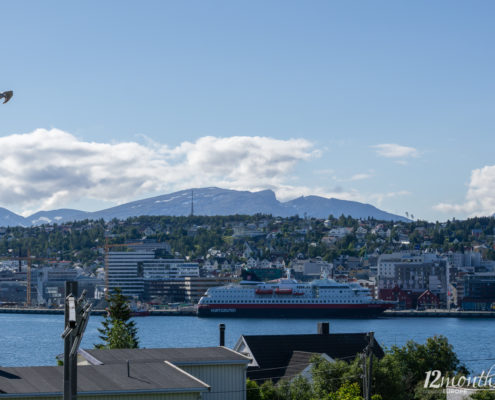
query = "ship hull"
x=285 y=311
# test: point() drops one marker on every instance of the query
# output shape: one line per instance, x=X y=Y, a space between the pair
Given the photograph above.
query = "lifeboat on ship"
x=264 y=291
x=283 y=291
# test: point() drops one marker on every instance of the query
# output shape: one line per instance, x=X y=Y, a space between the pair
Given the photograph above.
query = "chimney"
x=323 y=328
x=222 y=334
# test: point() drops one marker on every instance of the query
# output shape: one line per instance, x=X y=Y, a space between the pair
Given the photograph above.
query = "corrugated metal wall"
x=228 y=382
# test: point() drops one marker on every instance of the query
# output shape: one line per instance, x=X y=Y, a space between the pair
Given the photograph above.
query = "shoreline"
x=60 y=311
x=438 y=314
x=193 y=313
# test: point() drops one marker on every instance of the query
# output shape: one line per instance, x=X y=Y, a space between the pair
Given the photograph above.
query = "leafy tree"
x=269 y=391
x=389 y=378
x=252 y=390
x=118 y=331
x=401 y=373
x=483 y=395
x=298 y=388
x=435 y=354
x=329 y=377
x=348 y=391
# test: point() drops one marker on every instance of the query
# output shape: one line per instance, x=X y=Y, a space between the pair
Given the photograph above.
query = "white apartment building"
x=125 y=271
x=163 y=269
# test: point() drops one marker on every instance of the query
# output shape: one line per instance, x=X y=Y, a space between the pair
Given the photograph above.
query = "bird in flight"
x=6 y=96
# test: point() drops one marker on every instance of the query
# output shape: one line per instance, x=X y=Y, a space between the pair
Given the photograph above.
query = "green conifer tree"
x=118 y=332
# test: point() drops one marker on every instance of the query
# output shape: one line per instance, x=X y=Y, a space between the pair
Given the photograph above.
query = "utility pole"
x=365 y=375
x=367 y=360
x=77 y=312
x=371 y=345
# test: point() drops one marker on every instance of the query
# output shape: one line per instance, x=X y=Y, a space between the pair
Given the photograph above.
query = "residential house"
x=221 y=369
x=275 y=356
x=143 y=380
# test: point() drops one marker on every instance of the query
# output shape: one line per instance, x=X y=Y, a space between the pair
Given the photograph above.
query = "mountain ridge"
x=209 y=201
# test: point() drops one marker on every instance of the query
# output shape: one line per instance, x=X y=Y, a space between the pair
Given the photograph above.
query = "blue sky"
x=385 y=102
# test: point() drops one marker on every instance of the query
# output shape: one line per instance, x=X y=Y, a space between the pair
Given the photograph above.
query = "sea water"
x=27 y=339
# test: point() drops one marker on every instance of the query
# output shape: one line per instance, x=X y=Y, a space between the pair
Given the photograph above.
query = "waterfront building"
x=195 y=288
x=13 y=284
x=125 y=271
x=129 y=269
x=164 y=279
x=479 y=292
x=163 y=291
x=51 y=284
x=413 y=273
x=12 y=291
x=163 y=269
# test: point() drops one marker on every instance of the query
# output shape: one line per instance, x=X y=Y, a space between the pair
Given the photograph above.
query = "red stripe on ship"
x=294 y=306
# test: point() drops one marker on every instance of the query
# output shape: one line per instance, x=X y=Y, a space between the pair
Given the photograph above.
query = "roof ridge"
x=311 y=334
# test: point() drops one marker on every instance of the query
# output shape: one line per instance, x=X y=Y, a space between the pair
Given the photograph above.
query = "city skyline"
x=387 y=103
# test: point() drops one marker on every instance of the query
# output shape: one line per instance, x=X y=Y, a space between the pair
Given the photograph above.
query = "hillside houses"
x=222 y=247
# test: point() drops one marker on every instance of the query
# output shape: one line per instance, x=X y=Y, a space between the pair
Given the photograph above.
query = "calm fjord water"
x=35 y=339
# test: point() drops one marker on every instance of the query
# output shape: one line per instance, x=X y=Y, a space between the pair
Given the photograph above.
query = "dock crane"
x=29 y=260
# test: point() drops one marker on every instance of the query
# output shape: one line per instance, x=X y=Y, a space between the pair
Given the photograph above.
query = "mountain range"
x=209 y=201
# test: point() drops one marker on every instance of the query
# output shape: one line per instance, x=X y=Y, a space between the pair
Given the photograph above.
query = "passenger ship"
x=287 y=298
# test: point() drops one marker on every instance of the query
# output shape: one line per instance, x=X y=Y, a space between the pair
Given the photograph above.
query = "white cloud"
x=288 y=192
x=391 y=150
x=46 y=169
x=480 y=197
x=360 y=177
x=380 y=197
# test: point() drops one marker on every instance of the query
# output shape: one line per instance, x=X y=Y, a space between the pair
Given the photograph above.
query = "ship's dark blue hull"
x=366 y=311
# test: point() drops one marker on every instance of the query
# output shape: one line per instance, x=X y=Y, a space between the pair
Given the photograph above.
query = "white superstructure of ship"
x=287 y=297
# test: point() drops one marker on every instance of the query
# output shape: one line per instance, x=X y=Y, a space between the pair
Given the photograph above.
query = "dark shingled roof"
x=178 y=356
x=273 y=352
x=148 y=377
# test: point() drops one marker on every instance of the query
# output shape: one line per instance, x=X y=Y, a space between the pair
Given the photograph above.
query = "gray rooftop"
x=298 y=363
x=177 y=356
x=156 y=377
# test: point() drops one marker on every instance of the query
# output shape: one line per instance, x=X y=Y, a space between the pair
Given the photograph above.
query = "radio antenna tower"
x=192 y=202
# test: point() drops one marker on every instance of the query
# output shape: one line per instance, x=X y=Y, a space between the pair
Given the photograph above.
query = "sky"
x=384 y=102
